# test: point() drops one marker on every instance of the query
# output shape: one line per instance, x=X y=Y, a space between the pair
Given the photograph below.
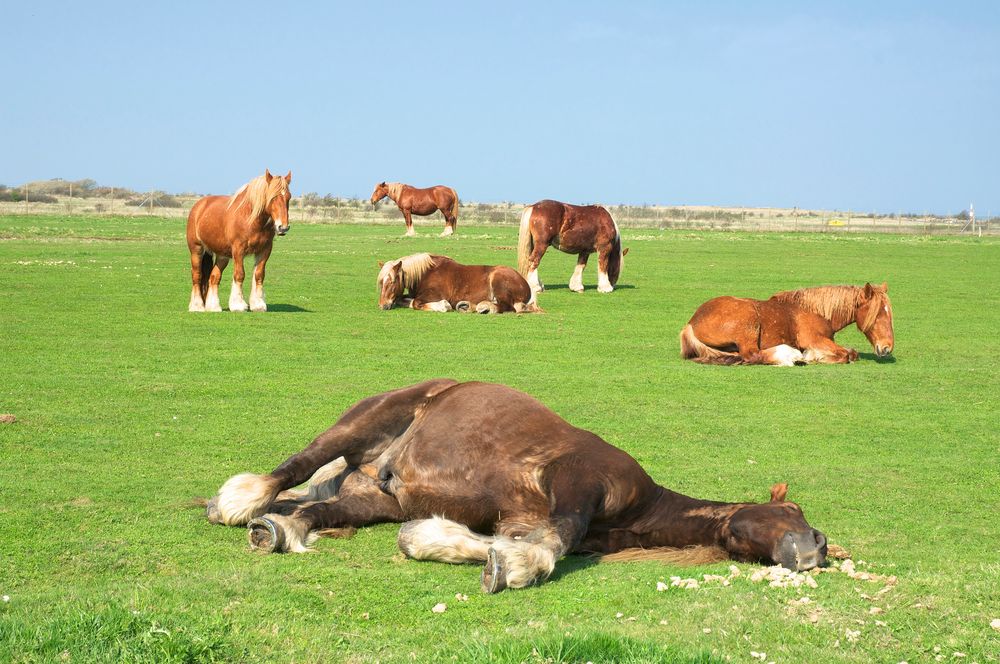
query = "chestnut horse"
x=573 y=229
x=437 y=283
x=484 y=473
x=792 y=327
x=423 y=202
x=230 y=227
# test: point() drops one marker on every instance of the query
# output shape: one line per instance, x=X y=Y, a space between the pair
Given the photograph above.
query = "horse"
x=573 y=229
x=480 y=472
x=437 y=283
x=230 y=227
x=792 y=327
x=423 y=202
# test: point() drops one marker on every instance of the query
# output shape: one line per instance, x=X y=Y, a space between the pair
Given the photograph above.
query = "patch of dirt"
x=7 y=418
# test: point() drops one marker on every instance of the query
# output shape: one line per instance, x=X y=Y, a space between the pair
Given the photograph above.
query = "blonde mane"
x=413 y=268
x=837 y=304
x=259 y=192
x=395 y=189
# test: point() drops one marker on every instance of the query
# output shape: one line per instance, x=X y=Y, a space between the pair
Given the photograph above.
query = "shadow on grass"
x=586 y=289
x=891 y=359
x=593 y=647
x=287 y=308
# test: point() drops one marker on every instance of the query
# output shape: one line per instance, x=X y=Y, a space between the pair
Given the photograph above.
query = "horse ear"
x=884 y=287
x=869 y=290
x=382 y=183
x=288 y=178
x=267 y=174
x=381 y=263
x=625 y=253
x=778 y=492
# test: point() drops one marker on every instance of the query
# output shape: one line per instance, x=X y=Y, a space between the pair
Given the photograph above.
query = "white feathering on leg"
x=244 y=497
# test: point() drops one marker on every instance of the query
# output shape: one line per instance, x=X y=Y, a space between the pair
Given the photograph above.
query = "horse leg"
x=449 y=224
x=197 y=303
x=533 y=261
x=576 y=281
x=361 y=434
x=442 y=540
x=257 y=302
x=441 y=306
x=236 y=301
x=781 y=355
x=827 y=351
x=516 y=562
x=603 y=281
x=212 y=297
x=409 y=222
x=360 y=502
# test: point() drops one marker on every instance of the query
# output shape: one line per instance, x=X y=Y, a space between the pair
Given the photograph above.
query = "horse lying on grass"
x=437 y=283
x=484 y=473
x=793 y=327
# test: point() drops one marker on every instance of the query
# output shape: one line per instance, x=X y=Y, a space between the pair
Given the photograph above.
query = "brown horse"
x=230 y=227
x=573 y=229
x=793 y=327
x=437 y=283
x=484 y=473
x=423 y=202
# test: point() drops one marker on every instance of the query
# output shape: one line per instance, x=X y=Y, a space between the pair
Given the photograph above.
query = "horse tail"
x=525 y=243
x=689 y=555
x=692 y=348
x=206 y=272
x=454 y=205
x=615 y=256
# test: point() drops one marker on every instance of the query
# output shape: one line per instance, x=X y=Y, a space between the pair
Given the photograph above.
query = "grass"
x=128 y=407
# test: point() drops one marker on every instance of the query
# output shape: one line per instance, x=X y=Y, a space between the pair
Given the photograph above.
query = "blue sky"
x=889 y=106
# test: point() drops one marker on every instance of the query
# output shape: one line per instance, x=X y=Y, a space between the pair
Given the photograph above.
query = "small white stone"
x=995 y=623
x=461 y=598
x=661 y=586
x=6 y=598
x=440 y=607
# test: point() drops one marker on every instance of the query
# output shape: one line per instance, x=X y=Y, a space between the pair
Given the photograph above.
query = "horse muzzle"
x=386 y=306
x=800 y=551
x=883 y=351
x=281 y=230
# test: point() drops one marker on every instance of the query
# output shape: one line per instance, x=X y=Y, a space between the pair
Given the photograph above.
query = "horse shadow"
x=557 y=287
x=287 y=308
x=573 y=563
x=889 y=359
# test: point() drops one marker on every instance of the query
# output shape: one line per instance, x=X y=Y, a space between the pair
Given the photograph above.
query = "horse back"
x=573 y=229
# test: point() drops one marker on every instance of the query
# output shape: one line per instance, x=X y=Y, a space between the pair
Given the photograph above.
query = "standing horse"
x=484 y=473
x=230 y=227
x=437 y=283
x=573 y=229
x=792 y=327
x=423 y=202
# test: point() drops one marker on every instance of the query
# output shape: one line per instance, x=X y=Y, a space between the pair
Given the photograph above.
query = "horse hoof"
x=463 y=307
x=265 y=535
x=259 y=308
x=493 y=579
x=212 y=510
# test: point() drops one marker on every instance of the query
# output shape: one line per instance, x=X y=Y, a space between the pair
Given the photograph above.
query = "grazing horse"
x=423 y=202
x=437 y=283
x=792 y=327
x=484 y=473
x=230 y=227
x=573 y=229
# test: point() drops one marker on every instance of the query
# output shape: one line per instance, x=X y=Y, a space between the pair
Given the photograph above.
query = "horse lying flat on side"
x=572 y=229
x=423 y=202
x=437 y=283
x=231 y=227
x=792 y=327
x=484 y=473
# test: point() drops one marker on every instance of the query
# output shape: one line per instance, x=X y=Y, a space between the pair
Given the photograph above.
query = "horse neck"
x=243 y=205
x=839 y=317
x=677 y=520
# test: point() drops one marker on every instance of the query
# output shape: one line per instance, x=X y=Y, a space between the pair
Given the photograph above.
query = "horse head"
x=390 y=283
x=277 y=205
x=874 y=316
x=775 y=532
x=381 y=191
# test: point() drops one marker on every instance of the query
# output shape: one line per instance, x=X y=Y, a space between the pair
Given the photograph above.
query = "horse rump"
x=692 y=348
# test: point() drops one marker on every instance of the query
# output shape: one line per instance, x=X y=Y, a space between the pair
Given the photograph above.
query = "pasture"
x=128 y=407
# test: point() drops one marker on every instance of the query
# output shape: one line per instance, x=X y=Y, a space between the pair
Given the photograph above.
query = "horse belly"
x=423 y=207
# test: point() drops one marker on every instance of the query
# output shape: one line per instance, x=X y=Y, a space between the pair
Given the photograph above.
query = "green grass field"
x=128 y=407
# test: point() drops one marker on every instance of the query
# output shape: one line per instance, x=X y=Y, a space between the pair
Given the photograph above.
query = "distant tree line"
x=49 y=191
